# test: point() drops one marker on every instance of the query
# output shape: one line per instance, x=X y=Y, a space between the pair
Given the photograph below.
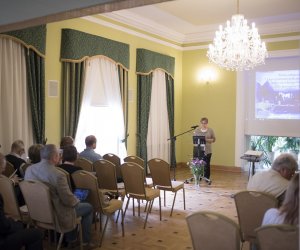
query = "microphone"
x=195 y=126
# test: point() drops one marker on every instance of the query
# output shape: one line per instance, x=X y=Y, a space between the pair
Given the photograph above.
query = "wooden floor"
x=172 y=232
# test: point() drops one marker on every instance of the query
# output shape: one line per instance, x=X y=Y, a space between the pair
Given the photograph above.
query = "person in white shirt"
x=275 y=180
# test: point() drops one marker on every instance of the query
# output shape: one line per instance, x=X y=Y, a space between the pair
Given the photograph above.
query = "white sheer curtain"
x=101 y=112
x=15 y=115
x=158 y=145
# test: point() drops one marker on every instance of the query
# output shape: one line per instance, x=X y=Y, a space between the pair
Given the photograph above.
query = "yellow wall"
x=53 y=72
x=193 y=98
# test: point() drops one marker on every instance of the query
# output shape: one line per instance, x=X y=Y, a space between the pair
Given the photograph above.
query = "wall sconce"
x=207 y=75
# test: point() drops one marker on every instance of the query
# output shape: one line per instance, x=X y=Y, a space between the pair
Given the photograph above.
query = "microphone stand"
x=173 y=140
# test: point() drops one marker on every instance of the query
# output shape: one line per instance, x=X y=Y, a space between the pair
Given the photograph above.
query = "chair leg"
x=164 y=197
x=139 y=207
x=183 y=198
x=122 y=222
x=103 y=231
x=126 y=205
x=173 y=203
x=60 y=241
x=148 y=210
x=159 y=208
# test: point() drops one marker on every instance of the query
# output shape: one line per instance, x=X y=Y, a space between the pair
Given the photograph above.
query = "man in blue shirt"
x=89 y=153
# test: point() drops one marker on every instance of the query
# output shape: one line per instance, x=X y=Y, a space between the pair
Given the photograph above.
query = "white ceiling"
x=188 y=21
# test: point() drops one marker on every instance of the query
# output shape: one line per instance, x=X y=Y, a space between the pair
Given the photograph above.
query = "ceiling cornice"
x=205 y=34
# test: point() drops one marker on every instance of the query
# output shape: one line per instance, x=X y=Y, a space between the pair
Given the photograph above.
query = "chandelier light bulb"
x=237 y=46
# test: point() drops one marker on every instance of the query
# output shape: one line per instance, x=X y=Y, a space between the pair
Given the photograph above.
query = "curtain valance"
x=32 y=38
x=147 y=61
x=76 y=46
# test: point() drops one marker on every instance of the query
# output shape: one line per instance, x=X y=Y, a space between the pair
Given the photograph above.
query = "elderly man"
x=14 y=157
x=275 y=180
x=89 y=153
x=63 y=199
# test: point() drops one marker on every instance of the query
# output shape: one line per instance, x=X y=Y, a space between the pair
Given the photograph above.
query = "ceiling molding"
x=206 y=32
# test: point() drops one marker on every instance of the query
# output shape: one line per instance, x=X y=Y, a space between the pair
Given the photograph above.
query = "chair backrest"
x=251 y=207
x=278 y=237
x=115 y=160
x=9 y=169
x=84 y=164
x=23 y=168
x=106 y=174
x=160 y=172
x=134 y=179
x=11 y=206
x=38 y=200
x=85 y=179
x=135 y=159
x=213 y=231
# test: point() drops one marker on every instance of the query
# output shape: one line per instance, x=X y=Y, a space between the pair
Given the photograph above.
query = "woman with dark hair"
x=34 y=153
x=69 y=157
x=288 y=213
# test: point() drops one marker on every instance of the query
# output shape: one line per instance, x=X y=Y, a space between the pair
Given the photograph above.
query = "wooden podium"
x=252 y=157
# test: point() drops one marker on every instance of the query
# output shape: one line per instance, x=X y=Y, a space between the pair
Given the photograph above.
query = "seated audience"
x=34 y=153
x=14 y=179
x=66 y=141
x=14 y=157
x=68 y=158
x=13 y=236
x=89 y=153
x=275 y=180
x=288 y=213
x=67 y=206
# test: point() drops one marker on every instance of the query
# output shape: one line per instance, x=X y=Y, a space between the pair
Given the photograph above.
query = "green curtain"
x=170 y=107
x=144 y=87
x=123 y=80
x=72 y=91
x=35 y=68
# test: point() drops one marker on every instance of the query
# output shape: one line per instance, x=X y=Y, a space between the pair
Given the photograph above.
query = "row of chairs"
x=227 y=234
x=159 y=169
x=214 y=231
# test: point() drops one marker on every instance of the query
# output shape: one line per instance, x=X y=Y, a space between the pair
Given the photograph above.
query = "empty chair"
x=134 y=181
x=117 y=161
x=9 y=170
x=160 y=172
x=107 y=178
x=278 y=237
x=251 y=207
x=139 y=161
x=213 y=231
x=84 y=164
x=37 y=196
x=84 y=179
x=11 y=206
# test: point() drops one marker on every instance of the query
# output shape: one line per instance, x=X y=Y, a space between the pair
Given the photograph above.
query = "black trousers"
x=31 y=238
x=207 y=166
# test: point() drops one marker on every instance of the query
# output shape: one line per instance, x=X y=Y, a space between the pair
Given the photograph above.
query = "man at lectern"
x=204 y=130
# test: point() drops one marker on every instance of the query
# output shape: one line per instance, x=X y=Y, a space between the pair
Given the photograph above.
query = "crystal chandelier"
x=237 y=46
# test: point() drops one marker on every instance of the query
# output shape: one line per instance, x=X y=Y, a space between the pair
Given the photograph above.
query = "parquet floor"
x=172 y=233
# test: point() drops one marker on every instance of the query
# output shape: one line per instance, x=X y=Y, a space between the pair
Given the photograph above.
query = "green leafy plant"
x=292 y=143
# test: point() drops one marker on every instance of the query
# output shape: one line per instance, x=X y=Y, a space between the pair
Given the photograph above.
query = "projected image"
x=277 y=95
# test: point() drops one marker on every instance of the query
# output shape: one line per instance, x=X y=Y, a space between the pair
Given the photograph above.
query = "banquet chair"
x=84 y=164
x=140 y=161
x=107 y=179
x=213 y=231
x=160 y=172
x=11 y=206
x=24 y=167
x=134 y=181
x=117 y=161
x=37 y=196
x=251 y=207
x=84 y=179
x=9 y=169
x=278 y=237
